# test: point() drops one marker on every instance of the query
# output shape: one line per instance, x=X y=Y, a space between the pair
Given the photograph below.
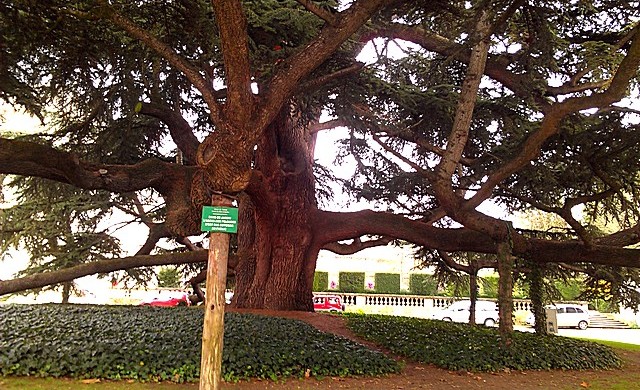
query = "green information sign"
x=219 y=219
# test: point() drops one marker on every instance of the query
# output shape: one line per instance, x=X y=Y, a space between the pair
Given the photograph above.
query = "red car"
x=168 y=302
x=331 y=303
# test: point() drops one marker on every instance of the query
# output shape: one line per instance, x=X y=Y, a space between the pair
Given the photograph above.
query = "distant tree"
x=169 y=277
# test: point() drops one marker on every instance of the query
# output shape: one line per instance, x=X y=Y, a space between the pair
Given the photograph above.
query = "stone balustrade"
x=407 y=305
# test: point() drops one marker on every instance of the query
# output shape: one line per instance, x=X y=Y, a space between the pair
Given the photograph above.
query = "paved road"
x=629 y=336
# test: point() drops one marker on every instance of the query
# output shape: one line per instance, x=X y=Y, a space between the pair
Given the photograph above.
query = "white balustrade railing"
x=407 y=305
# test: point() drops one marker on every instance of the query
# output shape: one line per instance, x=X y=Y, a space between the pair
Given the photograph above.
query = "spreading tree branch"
x=622 y=238
x=32 y=159
x=496 y=66
x=156 y=232
x=328 y=125
x=573 y=81
x=191 y=72
x=290 y=73
x=324 y=80
x=447 y=196
x=555 y=114
x=356 y=246
x=323 y=14
x=234 y=41
x=332 y=227
x=180 y=130
x=452 y=264
x=98 y=267
x=428 y=174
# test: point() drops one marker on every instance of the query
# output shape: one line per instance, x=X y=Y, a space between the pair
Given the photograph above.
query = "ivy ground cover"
x=461 y=347
x=163 y=344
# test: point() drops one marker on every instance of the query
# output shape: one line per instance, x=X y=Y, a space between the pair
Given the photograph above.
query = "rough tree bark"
x=277 y=258
x=66 y=292
x=537 y=301
x=473 y=291
x=505 y=291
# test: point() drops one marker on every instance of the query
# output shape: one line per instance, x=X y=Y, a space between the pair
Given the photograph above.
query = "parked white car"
x=486 y=312
x=568 y=316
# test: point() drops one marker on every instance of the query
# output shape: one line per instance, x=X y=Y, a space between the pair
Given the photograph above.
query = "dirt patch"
x=424 y=376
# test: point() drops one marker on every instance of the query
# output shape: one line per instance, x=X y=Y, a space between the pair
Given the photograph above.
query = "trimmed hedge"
x=163 y=344
x=387 y=283
x=423 y=284
x=351 y=282
x=459 y=346
x=320 y=281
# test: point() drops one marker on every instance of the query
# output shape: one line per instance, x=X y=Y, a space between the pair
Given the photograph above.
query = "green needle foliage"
x=59 y=226
x=121 y=85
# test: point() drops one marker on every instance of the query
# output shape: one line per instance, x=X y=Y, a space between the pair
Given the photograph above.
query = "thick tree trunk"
x=277 y=258
x=536 y=286
x=66 y=292
x=473 y=294
x=505 y=291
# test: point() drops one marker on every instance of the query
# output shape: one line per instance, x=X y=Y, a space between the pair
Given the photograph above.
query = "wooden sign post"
x=220 y=219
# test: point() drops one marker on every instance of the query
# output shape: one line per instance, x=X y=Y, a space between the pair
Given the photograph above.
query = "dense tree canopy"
x=152 y=107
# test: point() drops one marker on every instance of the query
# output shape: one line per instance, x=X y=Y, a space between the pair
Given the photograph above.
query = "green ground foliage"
x=423 y=284
x=387 y=283
x=320 y=281
x=163 y=344
x=351 y=282
x=459 y=346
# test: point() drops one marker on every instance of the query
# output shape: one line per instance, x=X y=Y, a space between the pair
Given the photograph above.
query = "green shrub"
x=320 y=281
x=163 y=344
x=387 y=283
x=459 y=346
x=423 y=284
x=351 y=282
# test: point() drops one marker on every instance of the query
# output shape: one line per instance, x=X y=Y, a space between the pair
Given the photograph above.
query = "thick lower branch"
x=621 y=238
x=98 y=267
x=32 y=159
x=335 y=226
x=356 y=246
x=156 y=232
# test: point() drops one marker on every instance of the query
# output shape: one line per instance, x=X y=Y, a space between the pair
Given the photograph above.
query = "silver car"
x=486 y=312
x=568 y=316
